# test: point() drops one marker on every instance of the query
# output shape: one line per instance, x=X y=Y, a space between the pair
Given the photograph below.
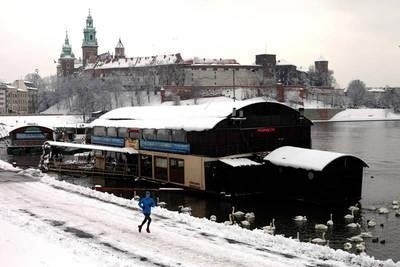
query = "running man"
x=146 y=204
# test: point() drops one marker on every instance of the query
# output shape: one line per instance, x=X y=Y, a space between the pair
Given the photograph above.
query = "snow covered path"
x=78 y=230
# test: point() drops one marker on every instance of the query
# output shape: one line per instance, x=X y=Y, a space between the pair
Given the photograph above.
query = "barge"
x=224 y=148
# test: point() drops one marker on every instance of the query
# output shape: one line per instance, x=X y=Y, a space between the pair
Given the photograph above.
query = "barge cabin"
x=28 y=137
x=218 y=147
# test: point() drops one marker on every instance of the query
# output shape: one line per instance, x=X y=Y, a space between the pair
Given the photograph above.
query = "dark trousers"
x=146 y=219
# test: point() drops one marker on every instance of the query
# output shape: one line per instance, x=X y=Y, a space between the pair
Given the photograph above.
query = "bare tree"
x=356 y=92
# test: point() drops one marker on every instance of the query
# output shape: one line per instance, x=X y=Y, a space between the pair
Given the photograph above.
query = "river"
x=377 y=143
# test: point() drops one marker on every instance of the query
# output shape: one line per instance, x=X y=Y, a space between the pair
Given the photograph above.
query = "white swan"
x=395 y=207
x=347 y=246
x=395 y=202
x=300 y=218
x=356 y=238
x=360 y=247
x=245 y=224
x=186 y=210
x=383 y=210
x=322 y=227
x=250 y=217
x=353 y=225
x=366 y=234
x=354 y=208
x=238 y=215
x=270 y=229
x=349 y=216
x=330 y=222
x=213 y=218
x=371 y=223
x=319 y=241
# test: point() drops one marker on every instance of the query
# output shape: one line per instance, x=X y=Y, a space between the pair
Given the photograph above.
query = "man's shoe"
x=148 y=230
x=140 y=228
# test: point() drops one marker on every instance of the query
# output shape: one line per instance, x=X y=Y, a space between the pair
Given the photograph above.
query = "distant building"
x=3 y=98
x=21 y=97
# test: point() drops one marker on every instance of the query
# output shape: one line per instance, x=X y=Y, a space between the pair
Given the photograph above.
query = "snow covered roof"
x=213 y=61
x=321 y=58
x=238 y=162
x=283 y=62
x=128 y=150
x=113 y=63
x=309 y=159
x=187 y=117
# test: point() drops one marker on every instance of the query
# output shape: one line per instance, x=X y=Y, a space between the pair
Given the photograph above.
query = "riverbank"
x=363 y=114
x=100 y=228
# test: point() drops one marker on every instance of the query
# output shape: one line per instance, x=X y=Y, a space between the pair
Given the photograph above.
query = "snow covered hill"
x=46 y=222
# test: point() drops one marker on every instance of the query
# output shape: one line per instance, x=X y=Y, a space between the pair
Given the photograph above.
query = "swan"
x=270 y=229
x=354 y=208
x=371 y=223
x=322 y=227
x=330 y=222
x=230 y=222
x=187 y=210
x=356 y=238
x=162 y=204
x=347 y=246
x=360 y=247
x=250 y=217
x=395 y=207
x=375 y=240
x=319 y=241
x=245 y=224
x=395 y=202
x=366 y=234
x=349 y=216
x=383 y=210
x=353 y=225
x=213 y=218
x=238 y=215
x=300 y=218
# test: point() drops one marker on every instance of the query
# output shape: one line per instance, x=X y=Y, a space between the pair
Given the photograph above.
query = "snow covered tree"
x=356 y=92
x=35 y=79
x=316 y=78
x=391 y=99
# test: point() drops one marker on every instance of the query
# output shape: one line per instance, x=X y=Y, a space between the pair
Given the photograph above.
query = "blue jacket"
x=146 y=203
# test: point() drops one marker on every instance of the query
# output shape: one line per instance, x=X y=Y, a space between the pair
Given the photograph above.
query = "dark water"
x=377 y=143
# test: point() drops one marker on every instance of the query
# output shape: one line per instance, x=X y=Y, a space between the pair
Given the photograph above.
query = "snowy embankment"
x=364 y=114
x=77 y=226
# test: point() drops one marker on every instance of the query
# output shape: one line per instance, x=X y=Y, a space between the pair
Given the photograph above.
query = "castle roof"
x=117 y=63
x=119 y=45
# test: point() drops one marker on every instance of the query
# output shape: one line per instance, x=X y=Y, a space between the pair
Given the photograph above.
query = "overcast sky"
x=360 y=38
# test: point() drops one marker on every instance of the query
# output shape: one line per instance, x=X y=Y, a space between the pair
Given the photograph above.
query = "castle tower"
x=66 y=60
x=321 y=65
x=322 y=69
x=119 y=50
x=89 y=44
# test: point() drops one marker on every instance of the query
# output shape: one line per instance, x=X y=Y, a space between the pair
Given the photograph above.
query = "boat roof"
x=309 y=159
x=127 y=150
x=186 y=117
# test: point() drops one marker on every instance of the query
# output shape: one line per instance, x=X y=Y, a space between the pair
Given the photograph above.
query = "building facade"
x=21 y=98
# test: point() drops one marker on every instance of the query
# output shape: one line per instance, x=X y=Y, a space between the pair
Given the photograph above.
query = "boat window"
x=149 y=134
x=99 y=131
x=112 y=131
x=161 y=168
x=178 y=136
x=134 y=133
x=122 y=132
x=177 y=170
x=146 y=165
x=163 y=135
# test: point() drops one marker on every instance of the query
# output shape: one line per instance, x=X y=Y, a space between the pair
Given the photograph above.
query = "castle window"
x=91 y=37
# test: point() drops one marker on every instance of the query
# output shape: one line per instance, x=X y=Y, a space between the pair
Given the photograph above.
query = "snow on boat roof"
x=187 y=117
x=128 y=150
x=238 y=162
x=309 y=159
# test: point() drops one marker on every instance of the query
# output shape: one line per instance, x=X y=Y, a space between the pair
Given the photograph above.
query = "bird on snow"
x=319 y=241
x=330 y=222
